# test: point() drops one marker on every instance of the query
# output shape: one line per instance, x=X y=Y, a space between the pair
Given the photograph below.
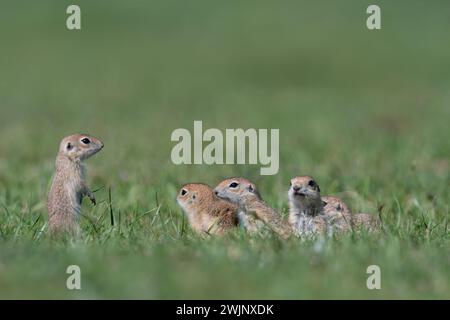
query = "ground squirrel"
x=249 y=222
x=69 y=182
x=334 y=204
x=310 y=213
x=243 y=193
x=207 y=214
x=306 y=207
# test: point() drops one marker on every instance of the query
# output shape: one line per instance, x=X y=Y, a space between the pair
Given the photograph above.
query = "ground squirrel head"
x=237 y=190
x=79 y=147
x=304 y=191
x=194 y=196
x=335 y=204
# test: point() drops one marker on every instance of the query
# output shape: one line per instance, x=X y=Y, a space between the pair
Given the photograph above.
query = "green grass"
x=366 y=113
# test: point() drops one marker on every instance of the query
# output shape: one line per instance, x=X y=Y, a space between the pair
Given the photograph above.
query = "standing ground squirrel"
x=243 y=193
x=207 y=214
x=305 y=204
x=69 y=182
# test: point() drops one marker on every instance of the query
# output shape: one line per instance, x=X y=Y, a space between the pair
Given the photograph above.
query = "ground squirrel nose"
x=296 y=188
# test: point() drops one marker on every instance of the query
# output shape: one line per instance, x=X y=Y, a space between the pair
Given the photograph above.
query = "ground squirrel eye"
x=183 y=192
x=311 y=183
x=86 y=141
x=233 y=185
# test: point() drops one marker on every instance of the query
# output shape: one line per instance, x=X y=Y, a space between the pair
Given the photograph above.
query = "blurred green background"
x=364 y=112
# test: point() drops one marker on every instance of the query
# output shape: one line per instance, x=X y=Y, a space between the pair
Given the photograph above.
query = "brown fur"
x=207 y=214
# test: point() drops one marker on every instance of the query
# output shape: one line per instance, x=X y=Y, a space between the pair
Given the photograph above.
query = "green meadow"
x=366 y=113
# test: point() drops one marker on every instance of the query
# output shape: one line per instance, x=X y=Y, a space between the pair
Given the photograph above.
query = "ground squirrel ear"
x=69 y=146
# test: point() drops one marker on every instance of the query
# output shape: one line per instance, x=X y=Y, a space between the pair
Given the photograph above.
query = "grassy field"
x=365 y=112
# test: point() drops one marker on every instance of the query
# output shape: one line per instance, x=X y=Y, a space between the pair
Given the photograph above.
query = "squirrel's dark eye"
x=183 y=192
x=314 y=185
x=85 y=140
x=233 y=185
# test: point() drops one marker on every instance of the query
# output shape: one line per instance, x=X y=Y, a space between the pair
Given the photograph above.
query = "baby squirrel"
x=334 y=205
x=307 y=208
x=207 y=214
x=69 y=182
x=249 y=222
x=338 y=212
x=243 y=193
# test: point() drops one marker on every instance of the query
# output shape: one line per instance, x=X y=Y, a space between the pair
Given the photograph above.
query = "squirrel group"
x=310 y=213
x=233 y=202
